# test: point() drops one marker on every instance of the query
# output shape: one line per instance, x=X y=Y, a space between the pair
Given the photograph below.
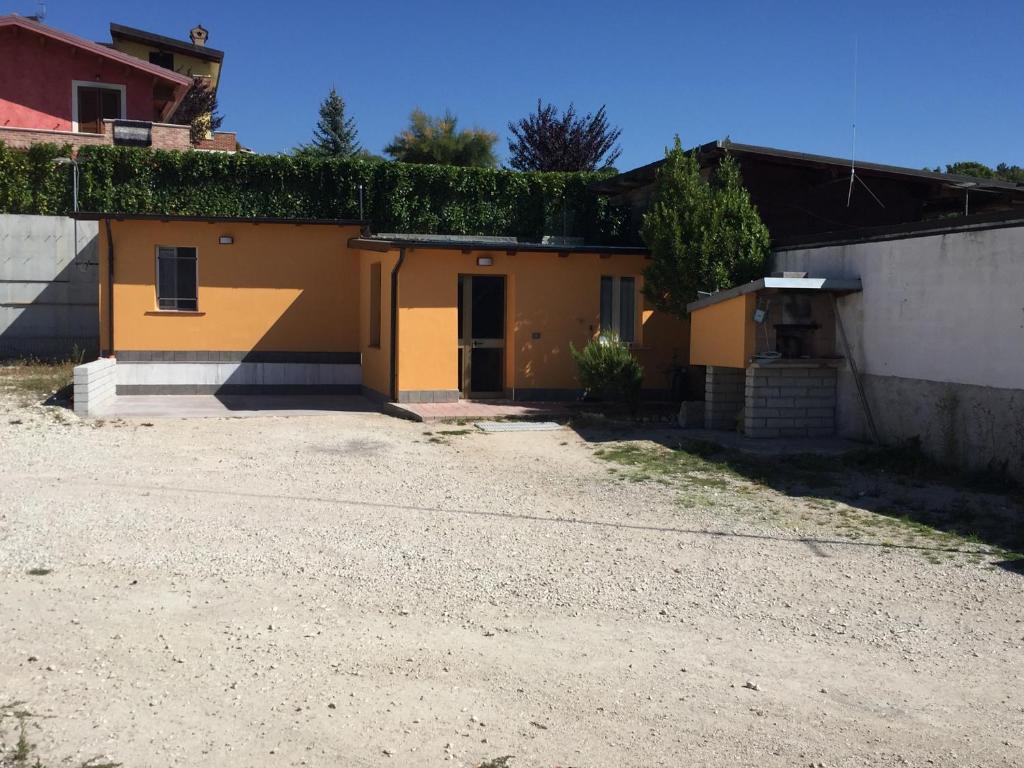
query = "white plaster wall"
x=944 y=308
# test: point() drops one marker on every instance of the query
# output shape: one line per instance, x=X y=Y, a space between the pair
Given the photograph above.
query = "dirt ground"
x=351 y=589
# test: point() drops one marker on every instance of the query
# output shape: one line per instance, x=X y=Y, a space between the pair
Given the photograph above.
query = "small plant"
x=608 y=371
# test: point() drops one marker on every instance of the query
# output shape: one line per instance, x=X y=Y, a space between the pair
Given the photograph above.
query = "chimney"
x=198 y=35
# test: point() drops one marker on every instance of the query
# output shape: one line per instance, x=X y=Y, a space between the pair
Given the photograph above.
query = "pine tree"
x=703 y=235
x=335 y=135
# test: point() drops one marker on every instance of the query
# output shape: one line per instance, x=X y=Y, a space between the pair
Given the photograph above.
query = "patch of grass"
x=497 y=762
x=39 y=571
x=454 y=432
x=33 y=380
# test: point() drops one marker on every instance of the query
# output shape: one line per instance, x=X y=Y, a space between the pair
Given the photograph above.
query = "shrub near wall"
x=398 y=197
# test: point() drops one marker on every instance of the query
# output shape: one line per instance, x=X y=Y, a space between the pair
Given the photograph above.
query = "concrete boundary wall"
x=49 y=289
x=938 y=334
x=95 y=386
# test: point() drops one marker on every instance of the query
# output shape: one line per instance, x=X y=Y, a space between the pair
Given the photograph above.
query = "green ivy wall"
x=398 y=197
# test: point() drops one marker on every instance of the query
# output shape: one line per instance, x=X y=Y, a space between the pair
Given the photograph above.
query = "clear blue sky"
x=939 y=80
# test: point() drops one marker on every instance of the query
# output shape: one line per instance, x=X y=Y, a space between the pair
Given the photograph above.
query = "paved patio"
x=477 y=409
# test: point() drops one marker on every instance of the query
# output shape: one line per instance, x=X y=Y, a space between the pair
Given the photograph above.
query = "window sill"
x=180 y=312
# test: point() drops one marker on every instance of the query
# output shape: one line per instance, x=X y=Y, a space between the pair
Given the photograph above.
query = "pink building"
x=58 y=87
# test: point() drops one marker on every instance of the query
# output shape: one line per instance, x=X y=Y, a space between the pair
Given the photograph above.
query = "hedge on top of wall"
x=397 y=197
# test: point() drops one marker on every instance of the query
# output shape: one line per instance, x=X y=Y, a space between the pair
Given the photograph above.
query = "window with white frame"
x=618 y=306
x=177 y=278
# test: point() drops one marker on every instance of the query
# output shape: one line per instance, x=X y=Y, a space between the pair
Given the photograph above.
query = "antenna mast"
x=853 y=150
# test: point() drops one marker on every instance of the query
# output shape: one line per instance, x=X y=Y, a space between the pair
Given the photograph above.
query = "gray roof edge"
x=826 y=284
x=483 y=243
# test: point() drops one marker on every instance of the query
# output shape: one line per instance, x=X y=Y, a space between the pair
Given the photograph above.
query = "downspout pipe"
x=393 y=384
x=110 y=286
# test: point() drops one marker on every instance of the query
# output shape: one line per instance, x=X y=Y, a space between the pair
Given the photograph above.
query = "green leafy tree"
x=703 y=235
x=198 y=110
x=335 y=135
x=437 y=140
x=1003 y=172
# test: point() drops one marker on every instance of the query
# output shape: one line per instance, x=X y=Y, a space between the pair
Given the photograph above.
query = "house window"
x=177 y=278
x=375 y=304
x=162 y=59
x=94 y=103
x=618 y=306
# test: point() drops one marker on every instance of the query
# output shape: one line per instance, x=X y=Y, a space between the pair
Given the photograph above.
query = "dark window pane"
x=162 y=59
x=627 y=309
x=485 y=369
x=186 y=279
x=488 y=318
x=606 y=304
x=110 y=103
x=166 y=287
x=462 y=310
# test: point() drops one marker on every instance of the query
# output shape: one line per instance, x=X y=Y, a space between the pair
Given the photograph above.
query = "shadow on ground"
x=897 y=484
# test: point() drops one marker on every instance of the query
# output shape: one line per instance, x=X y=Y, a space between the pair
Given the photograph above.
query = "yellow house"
x=193 y=58
x=219 y=304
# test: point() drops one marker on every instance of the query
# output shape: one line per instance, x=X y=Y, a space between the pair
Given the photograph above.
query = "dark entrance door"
x=95 y=104
x=482 y=335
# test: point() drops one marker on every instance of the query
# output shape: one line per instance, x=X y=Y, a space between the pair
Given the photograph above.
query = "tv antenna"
x=40 y=14
x=853 y=151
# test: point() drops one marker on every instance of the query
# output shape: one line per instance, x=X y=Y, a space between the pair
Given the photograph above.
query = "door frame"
x=75 y=84
x=467 y=343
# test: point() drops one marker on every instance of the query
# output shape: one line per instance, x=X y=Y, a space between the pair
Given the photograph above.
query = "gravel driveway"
x=350 y=589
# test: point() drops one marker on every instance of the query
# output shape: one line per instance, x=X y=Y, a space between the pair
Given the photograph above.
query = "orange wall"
x=376 y=360
x=279 y=287
x=557 y=297
x=723 y=334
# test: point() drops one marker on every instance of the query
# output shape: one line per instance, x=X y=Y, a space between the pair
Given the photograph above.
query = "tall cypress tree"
x=335 y=135
x=703 y=235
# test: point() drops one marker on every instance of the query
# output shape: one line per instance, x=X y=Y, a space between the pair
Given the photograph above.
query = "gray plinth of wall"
x=790 y=399
x=723 y=396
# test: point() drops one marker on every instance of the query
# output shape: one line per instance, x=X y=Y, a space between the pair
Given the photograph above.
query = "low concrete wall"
x=49 y=287
x=95 y=386
x=198 y=378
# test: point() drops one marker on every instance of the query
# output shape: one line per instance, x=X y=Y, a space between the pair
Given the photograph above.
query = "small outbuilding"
x=221 y=305
x=771 y=354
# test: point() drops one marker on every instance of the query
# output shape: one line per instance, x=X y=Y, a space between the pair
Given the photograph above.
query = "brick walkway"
x=476 y=409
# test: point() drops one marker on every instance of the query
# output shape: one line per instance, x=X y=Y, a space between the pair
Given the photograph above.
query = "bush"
x=608 y=371
x=398 y=197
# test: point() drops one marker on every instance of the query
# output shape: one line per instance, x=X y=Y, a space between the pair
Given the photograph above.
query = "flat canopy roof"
x=95 y=216
x=464 y=243
x=825 y=284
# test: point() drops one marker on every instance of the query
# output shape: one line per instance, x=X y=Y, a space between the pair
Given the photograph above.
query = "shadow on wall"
x=913 y=502
x=48 y=288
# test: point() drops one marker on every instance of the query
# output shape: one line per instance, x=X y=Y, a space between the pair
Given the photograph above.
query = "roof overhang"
x=819 y=284
x=165 y=43
x=168 y=217
x=466 y=244
x=645 y=174
x=179 y=83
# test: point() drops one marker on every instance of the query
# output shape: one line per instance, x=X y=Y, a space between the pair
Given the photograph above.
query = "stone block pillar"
x=723 y=397
x=790 y=399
